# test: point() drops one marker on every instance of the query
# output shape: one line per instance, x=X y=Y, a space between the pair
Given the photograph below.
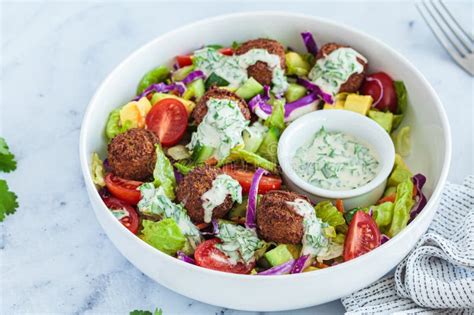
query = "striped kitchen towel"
x=437 y=277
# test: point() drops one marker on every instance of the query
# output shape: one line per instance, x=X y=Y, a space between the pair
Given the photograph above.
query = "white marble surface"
x=55 y=258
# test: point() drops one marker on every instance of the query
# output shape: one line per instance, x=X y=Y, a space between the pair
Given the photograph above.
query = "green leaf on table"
x=140 y=312
x=7 y=159
x=8 y=202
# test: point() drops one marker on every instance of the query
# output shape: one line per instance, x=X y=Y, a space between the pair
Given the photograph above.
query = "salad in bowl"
x=192 y=167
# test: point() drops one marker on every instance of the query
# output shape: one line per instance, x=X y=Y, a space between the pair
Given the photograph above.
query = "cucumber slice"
x=214 y=79
x=294 y=92
x=201 y=153
x=269 y=146
x=195 y=89
x=181 y=73
x=249 y=89
x=279 y=255
x=252 y=141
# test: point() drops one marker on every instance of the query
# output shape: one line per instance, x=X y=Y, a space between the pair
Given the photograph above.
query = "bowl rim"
x=386 y=158
x=95 y=198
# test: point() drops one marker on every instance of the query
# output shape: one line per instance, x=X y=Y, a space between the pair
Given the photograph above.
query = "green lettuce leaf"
x=402 y=141
x=277 y=118
x=98 y=172
x=113 y=126
x=156 y=75
x=238 y=153
x=328 y=213
x=401 y=209
x=164 y=174
x=183 y=168
x=164 y=235
x=383 y=214
x=7 y=159
x=8 y=200
x=402 y=97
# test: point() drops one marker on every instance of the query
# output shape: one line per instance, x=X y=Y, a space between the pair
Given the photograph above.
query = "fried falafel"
x=131 y=155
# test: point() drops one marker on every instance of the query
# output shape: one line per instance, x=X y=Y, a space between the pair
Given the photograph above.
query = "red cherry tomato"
x=208 y=256
x=184 y=60
x=244 y=177
x=131 y=222
x=123 y=189
x=371 y=87
x=362 y=237
x=226 y=51
x=168 y=119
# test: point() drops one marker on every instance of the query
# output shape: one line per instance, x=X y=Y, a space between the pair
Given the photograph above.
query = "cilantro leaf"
x=140 y=312
x=8 y=203
x=7 y=159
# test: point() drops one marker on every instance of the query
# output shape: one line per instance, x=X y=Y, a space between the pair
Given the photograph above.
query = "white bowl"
x=302 y=131
x=431 y=156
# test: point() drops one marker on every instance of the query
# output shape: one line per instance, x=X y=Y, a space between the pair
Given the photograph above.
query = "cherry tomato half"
x=210 y=257
x=371 y=87
x=226 y=51
x=362 y=237
x=123 y=189
x=244 y=177
x=168 y=119
x=131 y=222
x=184 y=60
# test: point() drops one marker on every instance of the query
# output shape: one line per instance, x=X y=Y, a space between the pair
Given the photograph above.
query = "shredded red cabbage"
x=252 y=203
x=260 y=107
x=177 y=175
x=282 y=269
x=384 y=239
x=314 y=88
x=182 y=256
x=106 y=165
x=419 y=181
x=194 y=75
x=266 y=92
x=302 y=102
x=162 y=88
x=369 y=79
x=215 y=226
x=300 y=264
x=310 y=43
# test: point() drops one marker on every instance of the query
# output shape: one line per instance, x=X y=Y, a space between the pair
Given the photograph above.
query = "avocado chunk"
x=384 y=119
x=296 y=64
x=249 y=89
x=338 y=103
x=294 y=92
x=358 y=103
x=279 y=255
x=269 y=146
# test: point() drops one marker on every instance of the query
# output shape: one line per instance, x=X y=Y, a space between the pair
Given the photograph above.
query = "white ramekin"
x=302 y=131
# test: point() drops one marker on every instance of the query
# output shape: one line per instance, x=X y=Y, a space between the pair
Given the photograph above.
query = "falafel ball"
x=354 y=82
x=276 y=220
x=260 y=70
x=214 y=92
x=193 y=186
x=131 y=155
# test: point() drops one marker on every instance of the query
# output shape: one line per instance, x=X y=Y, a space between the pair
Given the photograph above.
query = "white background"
x=54 y=256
